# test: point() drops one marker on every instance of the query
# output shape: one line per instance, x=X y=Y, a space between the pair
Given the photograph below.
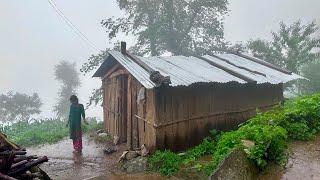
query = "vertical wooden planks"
x=135 y=129
x=160 y=104
x=180 y=114
x=150 y=136
x=129 y=113
x=169 y=118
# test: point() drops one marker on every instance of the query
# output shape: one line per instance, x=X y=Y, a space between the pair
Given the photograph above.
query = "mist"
x=34 y=38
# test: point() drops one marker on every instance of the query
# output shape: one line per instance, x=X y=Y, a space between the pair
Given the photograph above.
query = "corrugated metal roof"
x=184 y=71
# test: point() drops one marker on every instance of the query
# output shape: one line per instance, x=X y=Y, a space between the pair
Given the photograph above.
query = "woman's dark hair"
x=74 y=99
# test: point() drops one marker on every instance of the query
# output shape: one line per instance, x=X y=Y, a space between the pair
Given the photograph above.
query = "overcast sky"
x=33 y=38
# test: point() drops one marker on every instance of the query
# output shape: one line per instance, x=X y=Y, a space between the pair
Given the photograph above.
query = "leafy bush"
x=205 y=148
x=165 y=162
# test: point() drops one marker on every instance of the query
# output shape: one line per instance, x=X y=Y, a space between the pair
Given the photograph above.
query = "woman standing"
x=74 y=122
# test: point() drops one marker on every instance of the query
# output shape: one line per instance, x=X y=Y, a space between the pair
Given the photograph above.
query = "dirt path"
x=63 y=164
x=303 y=164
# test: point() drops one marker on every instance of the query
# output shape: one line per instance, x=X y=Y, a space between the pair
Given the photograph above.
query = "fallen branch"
x=6 y=177
x=27 y=166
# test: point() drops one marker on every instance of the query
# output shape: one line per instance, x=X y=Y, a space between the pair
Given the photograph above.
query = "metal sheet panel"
x=185 y=71
x=272 y=76
x=137 y=71
x=188 y=70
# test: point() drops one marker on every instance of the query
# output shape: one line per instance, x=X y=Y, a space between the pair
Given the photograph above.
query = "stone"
x=144 y=151
x=131 y=155
x=135 y=165
x=248 y=144
x=100 y=131
x=123 y=156
x=236 y=166
x=128 y=155
x=109 y=150
x=103 y=135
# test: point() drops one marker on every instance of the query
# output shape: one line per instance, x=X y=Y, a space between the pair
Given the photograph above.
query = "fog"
x=34 y=38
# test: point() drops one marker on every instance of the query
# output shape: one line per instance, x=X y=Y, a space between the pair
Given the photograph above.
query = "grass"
x=42 y=131
x=298 y=119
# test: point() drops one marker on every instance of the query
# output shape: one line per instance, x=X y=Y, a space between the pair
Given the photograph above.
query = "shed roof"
x=184 y=71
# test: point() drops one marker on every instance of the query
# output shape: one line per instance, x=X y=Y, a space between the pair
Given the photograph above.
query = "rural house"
x=173 y=102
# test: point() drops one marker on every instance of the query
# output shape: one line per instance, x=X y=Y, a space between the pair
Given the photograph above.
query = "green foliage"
x=298 y=119
x=291 y=47
x=182 y=27
x=205 y=148
x=165 y=162
x=312 y=73
x=176 y=26
x=18 y=107
x=41 y=131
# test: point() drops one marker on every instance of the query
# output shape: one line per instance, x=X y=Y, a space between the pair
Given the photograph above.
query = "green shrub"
x=205 y=148
x=165 y=162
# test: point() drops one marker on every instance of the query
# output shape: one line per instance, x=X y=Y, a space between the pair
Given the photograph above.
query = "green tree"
x=311 y=71
x=18 y=107
x=181 y=27
x=291 y=47
x=67 y=74
x=176 y=26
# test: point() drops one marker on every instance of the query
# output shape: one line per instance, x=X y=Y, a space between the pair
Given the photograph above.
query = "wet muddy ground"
x=303 y=164
x=63 y=164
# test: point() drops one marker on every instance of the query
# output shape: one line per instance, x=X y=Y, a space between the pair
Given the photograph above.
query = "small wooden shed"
x=173 y=102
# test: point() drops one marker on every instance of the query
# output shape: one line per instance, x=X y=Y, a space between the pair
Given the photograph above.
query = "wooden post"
x=129 y=115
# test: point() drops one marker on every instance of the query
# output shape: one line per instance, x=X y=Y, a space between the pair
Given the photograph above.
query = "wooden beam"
x=129 y=114
x=112 y=70
x=118 y=73
x=228 y=70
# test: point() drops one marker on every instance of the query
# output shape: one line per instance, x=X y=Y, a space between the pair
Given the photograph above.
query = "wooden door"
x=115 y=107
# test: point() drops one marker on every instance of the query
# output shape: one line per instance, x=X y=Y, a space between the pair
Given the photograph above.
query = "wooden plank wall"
x=142 y=115
x=185 y=115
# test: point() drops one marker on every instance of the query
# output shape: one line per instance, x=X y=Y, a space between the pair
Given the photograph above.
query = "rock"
x=103 y=135
x=128 y=155
x=236 y=166
x=109 y=150
x=100 y=131
x=144 y=151
x=123 y=156
x=248 y=144
x=131 y=155
x=135 y=165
